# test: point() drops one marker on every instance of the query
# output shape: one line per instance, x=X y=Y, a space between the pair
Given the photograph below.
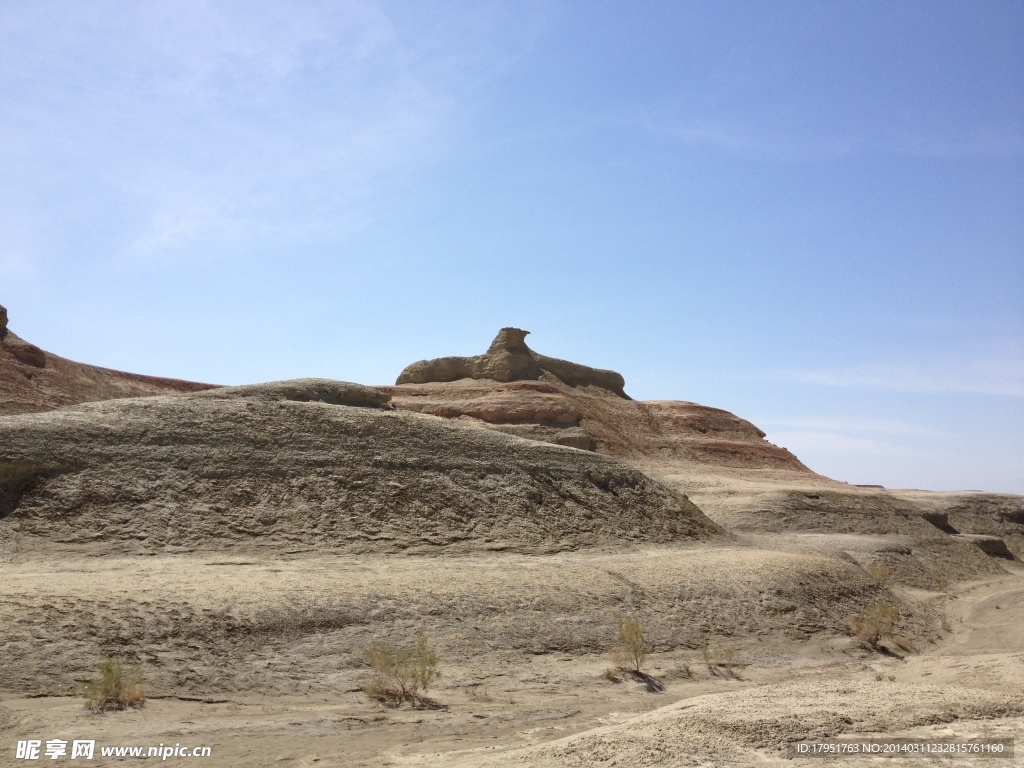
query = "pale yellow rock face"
x=510 y=359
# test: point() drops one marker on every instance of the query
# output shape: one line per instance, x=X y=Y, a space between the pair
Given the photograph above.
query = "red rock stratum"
x=32 y=381
x=510 y=388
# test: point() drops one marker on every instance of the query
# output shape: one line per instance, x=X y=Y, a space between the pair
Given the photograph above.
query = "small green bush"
x=876 y=623
x=116 y=688
x=631 y=648
x=400 y=675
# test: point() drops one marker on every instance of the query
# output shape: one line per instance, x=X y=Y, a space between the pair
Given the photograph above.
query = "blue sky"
x=806 y=213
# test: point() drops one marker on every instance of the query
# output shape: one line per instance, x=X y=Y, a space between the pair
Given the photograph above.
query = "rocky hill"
x=723 y=463
x=515 y=390
x=245 y=546
x=720 y=461
x=32 y=380
x=314 y=463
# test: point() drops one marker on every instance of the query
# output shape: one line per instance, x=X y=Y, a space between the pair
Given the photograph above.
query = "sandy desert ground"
x=523 y=641
x=244 y=546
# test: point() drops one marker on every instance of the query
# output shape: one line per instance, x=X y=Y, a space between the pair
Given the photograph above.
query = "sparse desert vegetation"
x=876 y=623
x=612 y=674
x=721 y=661
x=880 y=572
x=402 y=674
x=768 y=260
x=116 y=687
x=631 y=646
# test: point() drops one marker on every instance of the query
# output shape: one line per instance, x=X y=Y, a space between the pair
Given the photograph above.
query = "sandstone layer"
x=280 y=466
x=593 y=418
x=509 y=359
x=739 y=479
x=998 y=515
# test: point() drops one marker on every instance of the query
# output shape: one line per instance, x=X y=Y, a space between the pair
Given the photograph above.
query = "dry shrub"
x=631 y=648
x=880 y=572
x=611 y=673
x=400 y=675
x=720 y=662
x=876 y=623
x=378 y=688
x=116 y=688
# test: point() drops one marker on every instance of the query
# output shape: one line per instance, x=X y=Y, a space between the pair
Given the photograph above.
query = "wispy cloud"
x=809 y=442
x=750 y=140
x=979 y=141
x=188 y=123
x=1002 y=376
x=893 y=427
x=762 y=142
x=852 y=436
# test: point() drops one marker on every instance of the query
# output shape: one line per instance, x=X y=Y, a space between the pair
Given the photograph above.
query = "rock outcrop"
x=32 y=380
x=278 y=466
x=513 y=389
x=595 y=419
x=26 y=353
x=509 y=359
x=998 y=516
x=326 y=391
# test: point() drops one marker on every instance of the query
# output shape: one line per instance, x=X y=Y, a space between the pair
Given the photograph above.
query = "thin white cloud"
x=807 y=443
x=217 y=125
x=753 y=142
x=1002 y=376
x=892 y=427
x=765 y=143
x=981 y=141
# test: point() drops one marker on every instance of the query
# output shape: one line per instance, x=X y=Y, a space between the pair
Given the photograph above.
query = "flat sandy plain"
x=269 y=669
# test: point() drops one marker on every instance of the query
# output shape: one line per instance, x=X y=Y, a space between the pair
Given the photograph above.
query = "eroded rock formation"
x=29 y=354
x=306 y=391
x=287 y=464
x=512 y=389
x=32 y=380
x=509 y=359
